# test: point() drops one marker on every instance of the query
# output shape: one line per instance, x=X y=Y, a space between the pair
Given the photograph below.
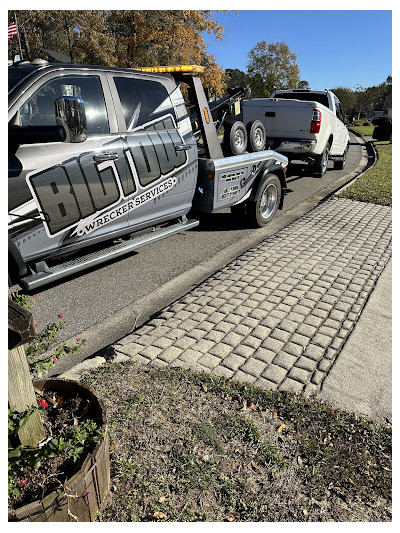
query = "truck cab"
x=132 y=162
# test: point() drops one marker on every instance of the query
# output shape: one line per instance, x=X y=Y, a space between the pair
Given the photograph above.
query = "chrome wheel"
x=240 y=140
x=268 y=200
x=263 y=206
x=258 y=137
x=324 y=163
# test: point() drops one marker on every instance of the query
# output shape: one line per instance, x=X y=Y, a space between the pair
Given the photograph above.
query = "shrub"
x=383 y=131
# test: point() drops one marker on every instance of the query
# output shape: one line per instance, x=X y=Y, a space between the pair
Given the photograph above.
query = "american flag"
x=12 y=29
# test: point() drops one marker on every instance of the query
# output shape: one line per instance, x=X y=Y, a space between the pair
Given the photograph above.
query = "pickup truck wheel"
x=263 y=208
x=235 y=138
x=339 y=165
x=256 y=135
x=321 y=163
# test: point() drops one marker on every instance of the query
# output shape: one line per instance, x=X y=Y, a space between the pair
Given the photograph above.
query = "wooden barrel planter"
x=86 y=490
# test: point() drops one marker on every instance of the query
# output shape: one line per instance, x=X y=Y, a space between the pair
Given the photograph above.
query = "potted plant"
x=58 y=439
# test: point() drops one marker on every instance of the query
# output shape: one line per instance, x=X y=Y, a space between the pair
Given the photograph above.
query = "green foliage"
x=43 y=352
x=236 y=77
x=272 y=66
x=383 y=131
x=347 y=98
x=46 y=349
x=16 y=420
x=72 y=443
x=24 y=300
x=123 y=38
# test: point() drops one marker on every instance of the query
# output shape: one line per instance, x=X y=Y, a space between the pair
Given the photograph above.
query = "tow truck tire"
x=339 y=165
x=235 y=138
x=263 y=207
x=256 y=135
x=320 y=165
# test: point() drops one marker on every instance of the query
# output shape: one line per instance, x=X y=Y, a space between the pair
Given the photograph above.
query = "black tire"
x=235 y=139
x=262 y=208
x=339 y=165
x=320 y=165
x=256 y=136
x=239 y=212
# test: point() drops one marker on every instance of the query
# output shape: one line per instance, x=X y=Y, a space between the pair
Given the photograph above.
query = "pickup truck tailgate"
x=281 y=118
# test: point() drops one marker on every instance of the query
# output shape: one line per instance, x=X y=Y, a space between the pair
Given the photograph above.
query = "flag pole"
x=19 y=39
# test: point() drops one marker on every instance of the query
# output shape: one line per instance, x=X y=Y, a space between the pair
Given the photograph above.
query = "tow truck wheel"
x=235 y=138
x=266 y=202
x=256 y=135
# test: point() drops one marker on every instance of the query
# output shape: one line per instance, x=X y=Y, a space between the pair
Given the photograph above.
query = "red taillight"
x=316 y=121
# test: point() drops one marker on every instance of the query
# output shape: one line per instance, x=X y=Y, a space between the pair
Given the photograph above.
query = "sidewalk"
x=281 y=315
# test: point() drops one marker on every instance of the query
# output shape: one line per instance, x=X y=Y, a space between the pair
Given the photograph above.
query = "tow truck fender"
x=271 y=169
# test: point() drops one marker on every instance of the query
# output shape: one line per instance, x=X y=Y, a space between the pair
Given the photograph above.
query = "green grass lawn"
x=375 y=185
x=364 y=130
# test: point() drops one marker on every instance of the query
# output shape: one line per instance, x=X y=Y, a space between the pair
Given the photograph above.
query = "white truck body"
x=301 y=123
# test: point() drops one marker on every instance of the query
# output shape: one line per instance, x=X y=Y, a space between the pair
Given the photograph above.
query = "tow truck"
x=104 y=160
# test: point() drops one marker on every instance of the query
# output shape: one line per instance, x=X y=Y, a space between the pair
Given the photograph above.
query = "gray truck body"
x=136 y=168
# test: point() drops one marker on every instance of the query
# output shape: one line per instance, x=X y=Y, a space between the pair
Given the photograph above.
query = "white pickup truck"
x=302 y=124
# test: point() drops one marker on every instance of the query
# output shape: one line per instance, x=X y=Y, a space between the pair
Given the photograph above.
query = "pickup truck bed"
x=302 y=124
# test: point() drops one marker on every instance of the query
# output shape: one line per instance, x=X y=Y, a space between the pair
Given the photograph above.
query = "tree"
x=149 y=38
x=347 y=98
x=303 y=85
x=123 y=38
x=236 y=77
x=275 y=64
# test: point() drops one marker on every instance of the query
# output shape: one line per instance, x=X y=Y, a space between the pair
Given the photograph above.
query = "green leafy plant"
x=44 y=352
x=23 y=299
x=71 y=443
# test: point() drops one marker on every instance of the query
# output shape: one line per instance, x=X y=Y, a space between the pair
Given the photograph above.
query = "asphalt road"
x=99 y=304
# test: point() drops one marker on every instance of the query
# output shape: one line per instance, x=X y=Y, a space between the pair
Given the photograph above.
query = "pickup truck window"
x=338 y=108
x=39 y=109
x=143 y=101
x=309 y=97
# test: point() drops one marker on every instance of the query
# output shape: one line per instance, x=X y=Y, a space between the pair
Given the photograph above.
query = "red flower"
x=43 y=403
x=36 y=324
x=78 y=339
x=60 y=316
x=23 y=482
x=84 y=340
x=54 y=359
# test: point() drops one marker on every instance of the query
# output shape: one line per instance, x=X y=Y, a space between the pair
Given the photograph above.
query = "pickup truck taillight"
x=316 y=121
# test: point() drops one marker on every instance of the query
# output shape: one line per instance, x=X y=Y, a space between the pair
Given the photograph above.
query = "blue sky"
x=334 y=48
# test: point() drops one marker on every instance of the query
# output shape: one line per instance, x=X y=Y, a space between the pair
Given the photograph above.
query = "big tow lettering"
x=80 y=191
x=96 y=221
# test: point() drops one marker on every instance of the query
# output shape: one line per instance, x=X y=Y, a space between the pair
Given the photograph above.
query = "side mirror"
x=18 y=135
x=70 y=113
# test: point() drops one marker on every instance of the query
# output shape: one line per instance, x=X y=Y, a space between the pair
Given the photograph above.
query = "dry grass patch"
x=192 y=447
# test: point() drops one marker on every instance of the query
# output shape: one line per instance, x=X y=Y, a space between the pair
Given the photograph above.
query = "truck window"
x=308 y=97
x=144 y=101
x=338 y=108
x=39 y=109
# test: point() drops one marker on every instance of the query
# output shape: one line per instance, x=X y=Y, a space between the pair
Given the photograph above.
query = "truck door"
x=160 y=149
x=66 y=184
